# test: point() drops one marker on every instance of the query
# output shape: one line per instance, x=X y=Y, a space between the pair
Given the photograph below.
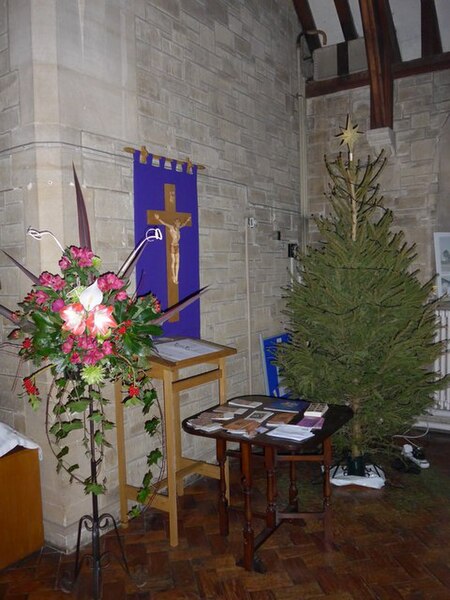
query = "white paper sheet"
x=182 y=349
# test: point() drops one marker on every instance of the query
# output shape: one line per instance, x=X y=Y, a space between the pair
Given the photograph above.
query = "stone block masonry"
x=211 y=79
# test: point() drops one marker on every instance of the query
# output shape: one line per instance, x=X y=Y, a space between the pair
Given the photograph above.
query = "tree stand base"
x=356 y=466
x=372 y=476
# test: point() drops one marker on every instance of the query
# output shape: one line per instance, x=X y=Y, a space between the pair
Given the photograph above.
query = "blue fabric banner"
x=167 y=198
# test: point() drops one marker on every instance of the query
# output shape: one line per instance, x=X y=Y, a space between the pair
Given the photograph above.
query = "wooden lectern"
x=167 y=367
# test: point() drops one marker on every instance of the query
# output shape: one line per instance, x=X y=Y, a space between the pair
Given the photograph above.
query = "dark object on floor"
x=405 y=466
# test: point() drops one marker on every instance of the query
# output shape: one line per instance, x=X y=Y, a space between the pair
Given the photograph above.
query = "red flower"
x=123 y=328
x=133 y=391
x=27 y=343
x=30 y=388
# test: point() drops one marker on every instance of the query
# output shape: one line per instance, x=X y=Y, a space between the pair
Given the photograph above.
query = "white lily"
x=91 y=297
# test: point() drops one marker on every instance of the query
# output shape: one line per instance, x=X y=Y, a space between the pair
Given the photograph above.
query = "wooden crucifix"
x=173 y=221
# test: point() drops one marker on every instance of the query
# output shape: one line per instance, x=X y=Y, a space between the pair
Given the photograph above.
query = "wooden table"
x=316 y=449
x=178 y=466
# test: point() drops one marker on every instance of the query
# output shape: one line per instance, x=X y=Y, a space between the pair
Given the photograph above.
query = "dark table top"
x=335 y=417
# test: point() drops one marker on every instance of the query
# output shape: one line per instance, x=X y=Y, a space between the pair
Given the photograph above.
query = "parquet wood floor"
x=390 y=544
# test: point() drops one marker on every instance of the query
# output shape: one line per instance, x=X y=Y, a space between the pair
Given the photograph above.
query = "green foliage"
x=362 y=324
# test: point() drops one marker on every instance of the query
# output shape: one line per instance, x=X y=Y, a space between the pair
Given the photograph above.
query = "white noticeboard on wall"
x=442 y=256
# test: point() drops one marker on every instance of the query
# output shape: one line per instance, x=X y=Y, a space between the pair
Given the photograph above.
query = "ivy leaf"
x=99 y=438
x=78 y=406
x=153 y=457
x=151 y=425
x=94 y=488
x=71 y=425
x=132 y=401
x=96 y=416
x=64 y=451
x=134 y=512
x=147 y=479
x=142 y=495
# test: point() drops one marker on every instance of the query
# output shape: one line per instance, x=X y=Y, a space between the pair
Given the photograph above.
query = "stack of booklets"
x=205 y=422
x=316 y=409
x=243 y=402
x=295 y=433
x=245 y=427
x=312 y=422
x=280 y=418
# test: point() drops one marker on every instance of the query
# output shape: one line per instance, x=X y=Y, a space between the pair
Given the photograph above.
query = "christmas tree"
x=362 y=325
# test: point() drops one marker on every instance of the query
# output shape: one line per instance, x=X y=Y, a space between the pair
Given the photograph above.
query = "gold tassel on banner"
x=144 y=154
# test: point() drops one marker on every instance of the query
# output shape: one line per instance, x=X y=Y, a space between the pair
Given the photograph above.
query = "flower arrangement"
x=86 y=324
x=85 y=327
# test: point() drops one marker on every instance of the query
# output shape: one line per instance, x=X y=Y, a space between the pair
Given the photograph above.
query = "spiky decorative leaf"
x=179 y=306
x=28 y=273
x=83 y=223
x=7 y=313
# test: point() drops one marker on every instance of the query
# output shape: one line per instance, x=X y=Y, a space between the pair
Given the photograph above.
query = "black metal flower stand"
x=94 y=523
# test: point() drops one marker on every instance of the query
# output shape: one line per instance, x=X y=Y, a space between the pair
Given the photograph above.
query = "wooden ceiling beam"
x=431 y=36
x=346 y=20
x=406 y=69
x=379 y=61
x=307 y=23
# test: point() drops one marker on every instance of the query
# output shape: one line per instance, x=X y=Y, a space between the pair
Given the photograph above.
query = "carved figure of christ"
x=173 y=221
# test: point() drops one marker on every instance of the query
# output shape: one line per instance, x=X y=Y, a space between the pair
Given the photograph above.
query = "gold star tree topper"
x=349 y=134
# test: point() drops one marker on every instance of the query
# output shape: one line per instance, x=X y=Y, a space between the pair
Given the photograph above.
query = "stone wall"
x=208 y=79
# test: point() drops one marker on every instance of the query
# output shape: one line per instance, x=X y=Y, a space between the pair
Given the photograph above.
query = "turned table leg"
x=271 y=511
x=221 y=453
x=249 y=537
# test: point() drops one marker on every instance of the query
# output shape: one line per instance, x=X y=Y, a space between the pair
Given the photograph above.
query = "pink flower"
x=45 y=278
x=57 y=305
x=67 y=346
x=41 y=297
x=57 y=283
x=109 y=281
x=107 y=348
x=99 y=320
x=122 y=295
x=87 y=342
x=92 y=357
x=83 y=256
x=73 y=316
x=75 y=358
x=64 y=263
